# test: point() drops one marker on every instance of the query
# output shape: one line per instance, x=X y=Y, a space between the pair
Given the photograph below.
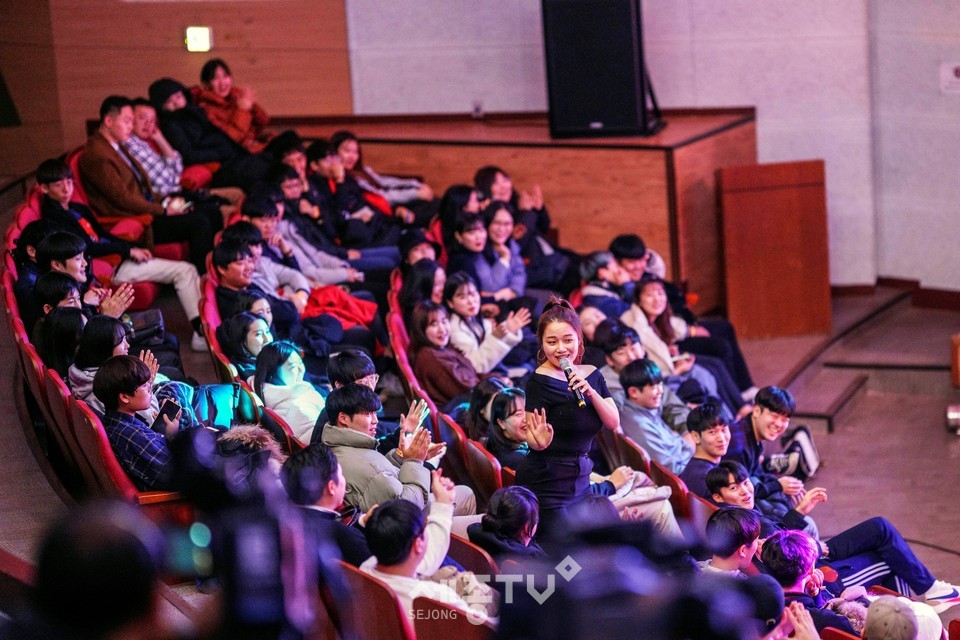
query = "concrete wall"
x=804 y=64
x=916 y=141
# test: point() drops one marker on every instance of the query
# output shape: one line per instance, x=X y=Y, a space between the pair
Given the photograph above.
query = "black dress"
x=560 y=474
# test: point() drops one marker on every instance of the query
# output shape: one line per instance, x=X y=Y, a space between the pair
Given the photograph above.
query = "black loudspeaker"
x=597 y=80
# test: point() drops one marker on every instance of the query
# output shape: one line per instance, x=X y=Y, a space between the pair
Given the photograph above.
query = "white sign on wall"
x=949 y=77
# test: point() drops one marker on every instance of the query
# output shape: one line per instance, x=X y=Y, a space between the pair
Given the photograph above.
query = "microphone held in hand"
x=567 y=367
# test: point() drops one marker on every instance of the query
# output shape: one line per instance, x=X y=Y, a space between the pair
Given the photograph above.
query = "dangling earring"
x=541 y=356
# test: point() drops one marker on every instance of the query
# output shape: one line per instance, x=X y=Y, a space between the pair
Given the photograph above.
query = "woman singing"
x=560 y=433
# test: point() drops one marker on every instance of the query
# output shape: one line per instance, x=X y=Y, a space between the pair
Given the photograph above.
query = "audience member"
x=733 y=536
x=446 y=375
x=506 y=531
x=191 y=133
x=279 y=381
x=242 y=337
x=313 y=479
x=711 y=434
x=372 y=477
x=118 y=188
x=135 y=264
x=642 y=418
x=122 y=385
x=398 y=535
x=873 y=543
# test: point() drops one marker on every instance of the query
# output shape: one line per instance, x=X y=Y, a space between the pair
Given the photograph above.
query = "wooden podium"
x=776 y=260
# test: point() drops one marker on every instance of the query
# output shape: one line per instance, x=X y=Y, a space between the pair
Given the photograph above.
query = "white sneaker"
x=941 y=596
x=198 y=342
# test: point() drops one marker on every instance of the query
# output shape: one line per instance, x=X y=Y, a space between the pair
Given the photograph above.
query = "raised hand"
x=539 y=431
x=415 y=416
x=536 y=197
x=115 y=303
x=415 y=447
x=441 y=487
x=517 y=320
x=151 y=361
x=811 y=498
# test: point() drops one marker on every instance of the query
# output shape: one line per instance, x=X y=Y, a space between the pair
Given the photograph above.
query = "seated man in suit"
x=118 y=186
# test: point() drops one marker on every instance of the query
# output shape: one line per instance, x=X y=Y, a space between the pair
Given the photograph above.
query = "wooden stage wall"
x=662 y=188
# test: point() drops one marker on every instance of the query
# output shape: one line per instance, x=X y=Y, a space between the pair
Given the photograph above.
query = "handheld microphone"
x=567 y=367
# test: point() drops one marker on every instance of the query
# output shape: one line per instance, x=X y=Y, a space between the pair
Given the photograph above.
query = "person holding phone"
x=122 y=384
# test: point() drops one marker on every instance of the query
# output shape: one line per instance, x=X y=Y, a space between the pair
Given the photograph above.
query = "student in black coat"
x=314 y=480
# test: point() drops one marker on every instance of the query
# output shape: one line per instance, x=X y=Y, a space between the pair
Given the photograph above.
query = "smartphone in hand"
x=168 y=408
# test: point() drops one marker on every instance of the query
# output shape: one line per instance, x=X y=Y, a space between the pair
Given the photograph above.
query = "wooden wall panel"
x=27 y=65
x=294 y=53
x=592 y=194
x=774 y=220
x=698 y=219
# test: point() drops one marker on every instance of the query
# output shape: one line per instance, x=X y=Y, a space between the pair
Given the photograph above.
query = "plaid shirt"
x=142 y=453
x=163 y=173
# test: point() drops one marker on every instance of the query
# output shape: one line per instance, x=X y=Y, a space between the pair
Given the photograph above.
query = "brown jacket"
x=111 y=185
x=242 y=126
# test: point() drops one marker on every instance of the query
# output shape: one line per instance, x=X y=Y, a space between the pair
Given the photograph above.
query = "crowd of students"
x=309 y=248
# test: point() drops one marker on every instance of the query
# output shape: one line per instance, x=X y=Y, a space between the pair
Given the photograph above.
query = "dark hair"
x=209 y=69
x=349 y=365
x=719 y=477
x=98 y=568
x=453 y=284
x=483 y=179
x=628 y=246
x=52 y=288
x=705 y=417
x=31 y=236
x=232 y=336
x=318 y=150
x=59 y=246
x=142 y=102
x=639 y=374
x=510 y=511
x=392 y=529
x=307 y=472
x=59 y=334
x=475 y=425
x=490 y=211
x=468 y=222
x=259 y=206
x=592 y=263
x=776 y=399
x=788 y=555
x=119 y=374
x=351 y=399
x=246 y=299
x=113 y=105
x=455 y=198
x=417 y=284
x=226 y=252
x=612 y=334
x=280 y=173
x=271 y=358
x=53 y=170
x=558 y=310
x=243 y=232
x=100 y=337
x=504 y=404
x=730 y=528
x=420 y=318
x=288 y=145
x=661 y=324
x=339 y=137
x=267 y=190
